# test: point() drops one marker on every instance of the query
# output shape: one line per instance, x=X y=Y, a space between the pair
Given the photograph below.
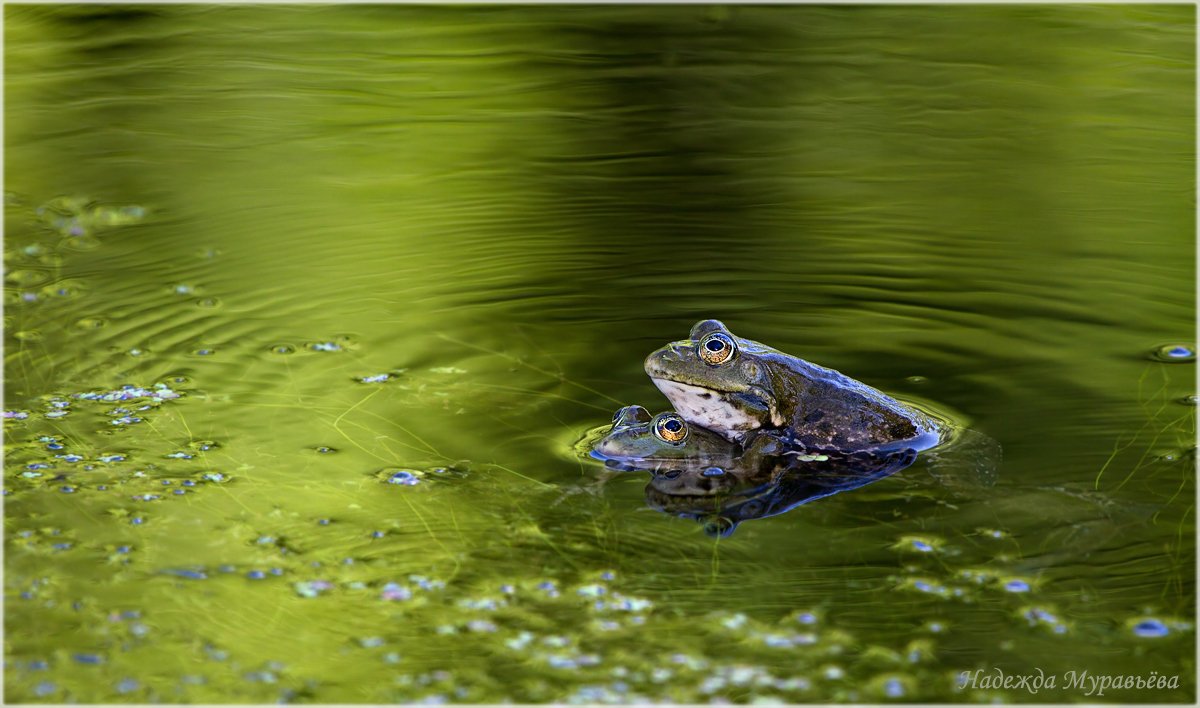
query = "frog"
x=639 y=440
x=738 y=387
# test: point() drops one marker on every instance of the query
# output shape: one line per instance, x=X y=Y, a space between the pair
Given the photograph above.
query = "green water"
x=504 y=209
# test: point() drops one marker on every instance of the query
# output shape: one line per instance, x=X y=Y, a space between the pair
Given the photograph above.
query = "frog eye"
x=717 y=348
x=670 y=428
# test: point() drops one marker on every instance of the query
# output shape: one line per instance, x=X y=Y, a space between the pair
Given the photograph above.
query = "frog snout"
x=664 y=359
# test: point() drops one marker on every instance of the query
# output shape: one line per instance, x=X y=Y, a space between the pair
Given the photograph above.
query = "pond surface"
x=306 y=308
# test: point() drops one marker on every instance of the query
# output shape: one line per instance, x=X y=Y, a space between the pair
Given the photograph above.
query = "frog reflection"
x=699 y=474
x=722 y=498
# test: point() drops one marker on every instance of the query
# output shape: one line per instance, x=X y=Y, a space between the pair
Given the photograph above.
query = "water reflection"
x=722 y=498
x=697 y=474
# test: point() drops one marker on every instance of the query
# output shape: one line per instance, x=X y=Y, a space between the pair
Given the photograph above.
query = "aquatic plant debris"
x=159 y=392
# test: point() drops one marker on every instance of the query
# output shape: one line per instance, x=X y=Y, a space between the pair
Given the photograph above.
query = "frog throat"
x=709 y=409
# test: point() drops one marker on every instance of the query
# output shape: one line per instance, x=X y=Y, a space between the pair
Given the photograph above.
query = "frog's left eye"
x=717 y=348
x=670 y=428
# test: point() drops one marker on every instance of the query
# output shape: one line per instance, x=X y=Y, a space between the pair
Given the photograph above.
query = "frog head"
x=637 y=435
x=717 y=380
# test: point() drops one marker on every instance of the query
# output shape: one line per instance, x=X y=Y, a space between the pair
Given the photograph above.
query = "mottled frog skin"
x=734 y=386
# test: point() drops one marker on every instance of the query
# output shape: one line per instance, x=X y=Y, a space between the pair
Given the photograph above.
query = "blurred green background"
x=503 y=209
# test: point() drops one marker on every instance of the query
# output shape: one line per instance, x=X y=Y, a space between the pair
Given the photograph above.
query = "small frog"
x=642 y=441
x=734 y=387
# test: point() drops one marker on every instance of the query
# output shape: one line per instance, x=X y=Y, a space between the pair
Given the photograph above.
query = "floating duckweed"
x=1150 y=628
x=978 y=576
x=261 y=677
x=992 y=533
x=793 y=684
x=395 y=591
x=621 y=603
x=1174 y=353
x=479 y=625
x=1016 y=585
x=157 y=393
x=893 y=687
x=282 y=349
x=1175 y=455
x=118 y=215
x=1038 y=616
x=925 y=585
x=90 y=659
x=425 y=583
x=45 y=688
x=712 y=684
x=920 y=544
x=208 y=303
x=447 y=370
x=483 y=603
x=405 y=477
x=734 y=622
x=371 y=642
x=520 y=641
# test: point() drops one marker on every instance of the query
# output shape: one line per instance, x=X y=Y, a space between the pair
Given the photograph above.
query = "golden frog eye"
x=670 y=428
x=716 y=348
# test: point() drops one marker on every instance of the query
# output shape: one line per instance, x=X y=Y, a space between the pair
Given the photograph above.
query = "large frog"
x=736 y=386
